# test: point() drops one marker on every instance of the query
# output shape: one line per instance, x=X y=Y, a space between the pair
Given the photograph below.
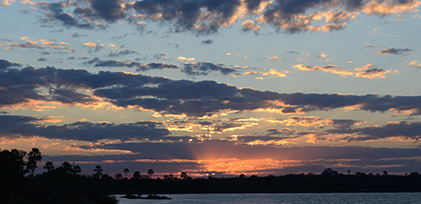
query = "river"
x=284 y=198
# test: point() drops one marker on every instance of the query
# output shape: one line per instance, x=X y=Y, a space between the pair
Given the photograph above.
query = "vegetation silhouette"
x=65 y=183
x=150 y=172
x=126 y=170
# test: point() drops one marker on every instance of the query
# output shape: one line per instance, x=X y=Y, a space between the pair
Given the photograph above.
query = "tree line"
x=65 y=183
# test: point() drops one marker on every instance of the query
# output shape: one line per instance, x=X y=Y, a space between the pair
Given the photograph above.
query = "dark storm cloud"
x=207 y=42
x=407 y=130
x=69 y=96
x=12 y=126
x=4 y=64
x=185 y=14
x=27 y=81
x=55 y=12
x=203 y=68
x=177 y=96
x=122 y=53
x=394 y=51
x=208 y=16
x=140 y=67
x=110 y=10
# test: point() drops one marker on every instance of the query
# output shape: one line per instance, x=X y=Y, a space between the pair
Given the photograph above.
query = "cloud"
x=7 y=3
x=116 y=53
x=249 y=25
x=110 y=10
x=203 y=68
x=390 y=6
x=414 y=64
x=372 y=72
x=76 y=35
x=41 y=59
x=208 y=16
x=321 y=55
x=403 y=129
x=305 y=121
x=160 y=56
x=181 y=59
x=273 y=72
x=326 y=68
x=279 y=59
x=394 y=51
x=28 y=44
x=344 y=123
x=4 y=64
x=202 y=17
x=165 y=96
x=82 y=130
x=291 y=52
x=140 y=67
x=55 y=12
x=207 y=42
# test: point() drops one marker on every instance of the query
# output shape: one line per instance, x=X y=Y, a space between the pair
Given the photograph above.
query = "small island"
x=150 y=196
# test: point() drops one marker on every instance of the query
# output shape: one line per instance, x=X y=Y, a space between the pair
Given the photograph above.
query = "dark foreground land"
x=90 y=189
x=65 y=184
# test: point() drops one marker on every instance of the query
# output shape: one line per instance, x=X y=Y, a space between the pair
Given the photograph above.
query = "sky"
x=213 y=87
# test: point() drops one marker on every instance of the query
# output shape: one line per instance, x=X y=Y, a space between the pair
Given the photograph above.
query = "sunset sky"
x=219 y=87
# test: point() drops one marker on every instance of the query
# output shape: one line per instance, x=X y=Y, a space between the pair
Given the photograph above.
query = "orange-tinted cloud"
x=273 y=72
x=326 y=68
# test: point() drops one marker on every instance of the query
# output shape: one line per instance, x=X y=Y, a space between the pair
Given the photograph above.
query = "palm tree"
x=126 y=170
x=77 y=169
x=98 y=171
x=183 y=175
x=150 y=172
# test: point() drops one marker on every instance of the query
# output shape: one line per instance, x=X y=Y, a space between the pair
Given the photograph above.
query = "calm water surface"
x=284 y=198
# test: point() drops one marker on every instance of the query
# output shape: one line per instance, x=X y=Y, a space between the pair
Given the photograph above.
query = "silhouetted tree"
x=170 y=176
x=77 y=169
x=67 y=168
x=384 y=173
x=329 y=172
x=150 y=172
x=136 y=175
x=58 y=179
x=49 y=166
x=98 y=171
x=12 y=170
x=126 y=170
x=118 y=176
x=241 y=176
x=34 y=156
x=183 y=175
